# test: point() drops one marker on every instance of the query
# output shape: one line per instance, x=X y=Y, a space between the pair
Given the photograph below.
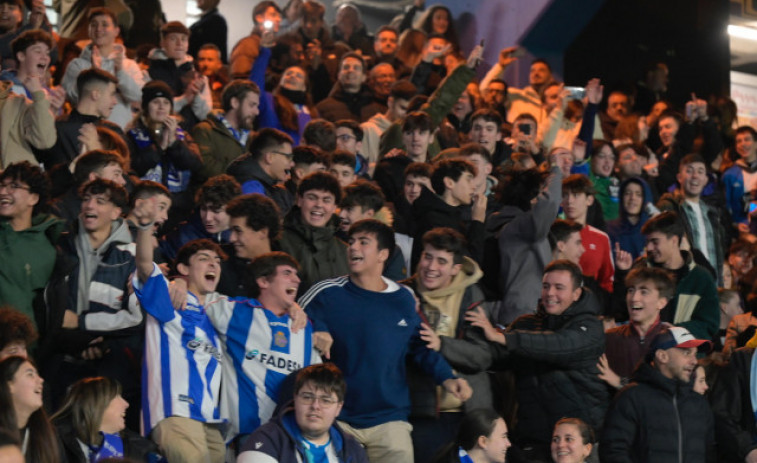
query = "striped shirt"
x=260 y=352
x=181 y=372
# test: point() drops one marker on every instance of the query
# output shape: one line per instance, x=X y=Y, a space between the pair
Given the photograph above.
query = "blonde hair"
x=85 y=405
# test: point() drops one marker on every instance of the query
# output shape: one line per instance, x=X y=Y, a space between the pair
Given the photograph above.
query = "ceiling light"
x=742 y=32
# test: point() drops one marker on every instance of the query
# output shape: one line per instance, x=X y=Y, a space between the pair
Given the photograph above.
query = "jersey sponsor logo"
x=402 y=323
x=186 y=398
x=273 y=361
x=280 y=339
x=200 y=345
x=283 y=325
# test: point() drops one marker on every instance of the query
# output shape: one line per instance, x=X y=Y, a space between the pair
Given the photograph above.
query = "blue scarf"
x=112 y=446
x=174 y=179
x=239 y=135
x=464 y=457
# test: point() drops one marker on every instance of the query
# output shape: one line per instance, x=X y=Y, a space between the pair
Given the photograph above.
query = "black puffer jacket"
x=658 y=419
x=731 y=404
x=554 y=358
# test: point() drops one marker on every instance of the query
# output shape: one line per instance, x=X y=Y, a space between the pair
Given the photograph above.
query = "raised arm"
x=145 y=210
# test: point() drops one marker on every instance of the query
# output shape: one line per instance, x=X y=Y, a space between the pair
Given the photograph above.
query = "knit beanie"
x=155 y=89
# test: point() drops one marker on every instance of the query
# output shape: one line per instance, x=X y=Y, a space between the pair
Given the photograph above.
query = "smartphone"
x=268 y=25
x=482 y=42
x=576 y=93
x=524 y=128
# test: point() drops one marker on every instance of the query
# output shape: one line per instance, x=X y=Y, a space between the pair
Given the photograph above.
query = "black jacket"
x=68 y=146
x=658 y=419
x=735 y=426
x=246 y=169
x=554 y=358
x=432 y=212
x=389 y=175
x=136 y=447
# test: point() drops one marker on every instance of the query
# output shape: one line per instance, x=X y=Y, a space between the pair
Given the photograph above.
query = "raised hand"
x=477 y=317
x=57 y=98
x=433 y=341
x=322 y=341
x=146 y=211
x=506 y=56
x=97 y=58
x=606 y=374
x=475 y=56
x=88 y=137
x=169 y=133
x=433 y=51
x=594 y=91
x=119 y=52
x=623 y=259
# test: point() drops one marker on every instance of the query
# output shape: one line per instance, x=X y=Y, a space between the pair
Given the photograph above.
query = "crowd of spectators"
x=327 y=244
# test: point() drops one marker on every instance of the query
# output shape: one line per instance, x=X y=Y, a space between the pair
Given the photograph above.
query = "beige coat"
x=24 y=124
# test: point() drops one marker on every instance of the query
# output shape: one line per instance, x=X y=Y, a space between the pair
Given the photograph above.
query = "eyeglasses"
x=346 y=137
x=289 y=156
x=13 y=186
x=309 y=399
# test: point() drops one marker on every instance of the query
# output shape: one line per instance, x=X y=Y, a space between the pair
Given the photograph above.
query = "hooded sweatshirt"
x=621 y=230
x=442 y=310
x=28 y=258
x=91 y=260
x=738 y=180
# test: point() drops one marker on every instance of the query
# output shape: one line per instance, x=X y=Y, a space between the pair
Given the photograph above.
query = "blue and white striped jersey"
x=260 y=352
x=181 y=372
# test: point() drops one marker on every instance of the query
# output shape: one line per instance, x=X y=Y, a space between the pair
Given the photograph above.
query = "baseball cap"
x=676 y=336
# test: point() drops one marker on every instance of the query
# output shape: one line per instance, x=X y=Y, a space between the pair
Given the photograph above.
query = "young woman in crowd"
x=91 y=424
x=162 y=151
x=438 y=20
x=21 y=411
x=290 y=106
x=482 y=438
x=572 y=441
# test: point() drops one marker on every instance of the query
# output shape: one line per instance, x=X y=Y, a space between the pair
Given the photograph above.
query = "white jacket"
x=130 y=83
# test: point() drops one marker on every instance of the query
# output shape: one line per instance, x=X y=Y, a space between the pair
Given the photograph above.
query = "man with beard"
x=659 y=417
x=222 y=136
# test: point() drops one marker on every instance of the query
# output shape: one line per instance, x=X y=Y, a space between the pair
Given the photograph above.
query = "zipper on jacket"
x=678 y=421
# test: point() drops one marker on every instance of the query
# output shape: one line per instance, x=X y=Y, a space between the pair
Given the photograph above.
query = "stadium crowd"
x=329 y=244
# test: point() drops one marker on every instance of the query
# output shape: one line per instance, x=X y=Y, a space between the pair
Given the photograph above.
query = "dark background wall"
x=624 y=36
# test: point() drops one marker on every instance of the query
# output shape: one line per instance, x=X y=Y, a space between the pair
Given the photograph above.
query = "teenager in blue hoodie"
x=634 y=208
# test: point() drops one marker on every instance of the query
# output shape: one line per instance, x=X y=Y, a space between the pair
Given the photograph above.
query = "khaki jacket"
x=24 y=124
